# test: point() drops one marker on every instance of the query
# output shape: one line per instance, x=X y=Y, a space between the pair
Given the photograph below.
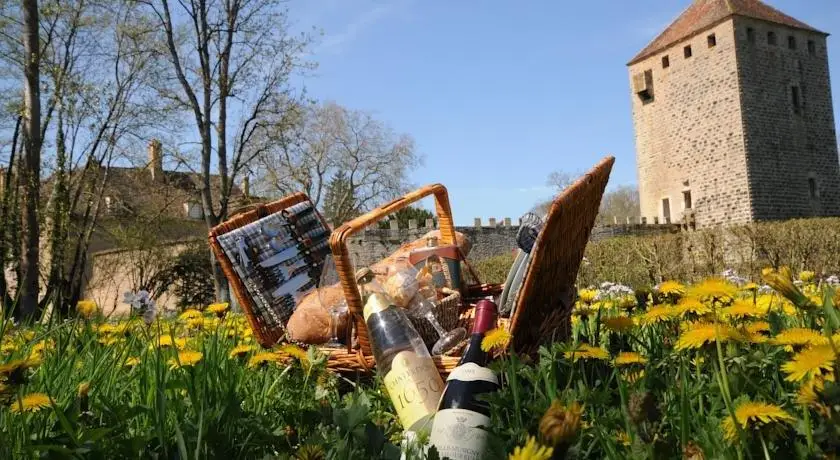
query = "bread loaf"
x=310 y=323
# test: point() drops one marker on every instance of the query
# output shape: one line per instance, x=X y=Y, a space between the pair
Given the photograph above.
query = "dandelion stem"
x=809 y=435
x=764 y=446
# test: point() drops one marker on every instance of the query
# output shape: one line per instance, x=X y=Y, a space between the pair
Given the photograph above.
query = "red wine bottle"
x=456 y=431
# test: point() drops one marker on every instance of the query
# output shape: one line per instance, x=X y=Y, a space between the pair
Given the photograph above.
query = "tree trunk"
x=31 y=171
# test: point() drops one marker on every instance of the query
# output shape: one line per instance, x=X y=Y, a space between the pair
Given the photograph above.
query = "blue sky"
x=498 y=94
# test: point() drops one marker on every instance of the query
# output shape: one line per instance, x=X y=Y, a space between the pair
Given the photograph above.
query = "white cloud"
x=361 y=22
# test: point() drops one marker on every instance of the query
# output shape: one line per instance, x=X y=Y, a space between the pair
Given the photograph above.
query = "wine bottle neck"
x=474 y=353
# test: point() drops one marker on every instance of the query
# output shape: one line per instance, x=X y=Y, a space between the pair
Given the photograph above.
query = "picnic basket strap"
x=544 y=303
x=266 y=337
x=341 y=253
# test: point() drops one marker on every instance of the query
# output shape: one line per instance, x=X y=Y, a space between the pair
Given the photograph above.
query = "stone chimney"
x=155 y=160
x=246 y=187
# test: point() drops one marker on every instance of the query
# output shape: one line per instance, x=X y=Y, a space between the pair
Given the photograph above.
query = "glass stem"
x=431 y=317
x=334 y=316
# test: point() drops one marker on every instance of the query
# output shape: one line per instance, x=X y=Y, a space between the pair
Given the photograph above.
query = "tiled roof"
x=703 y=14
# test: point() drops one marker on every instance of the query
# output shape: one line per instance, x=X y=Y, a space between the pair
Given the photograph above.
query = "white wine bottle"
x=410 y=376
x=457 y=429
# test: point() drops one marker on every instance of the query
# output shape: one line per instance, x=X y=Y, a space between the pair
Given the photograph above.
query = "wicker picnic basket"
x=544 y=302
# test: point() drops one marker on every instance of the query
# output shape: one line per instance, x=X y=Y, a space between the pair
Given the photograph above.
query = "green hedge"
x=812 y=244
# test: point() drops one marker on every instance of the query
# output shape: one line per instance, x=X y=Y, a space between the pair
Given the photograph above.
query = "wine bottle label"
x=456 y=434
x=470 y=372
x=414 y=386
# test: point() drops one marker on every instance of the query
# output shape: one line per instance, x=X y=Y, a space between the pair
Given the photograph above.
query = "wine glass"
x=426 y=308
x=329 y=277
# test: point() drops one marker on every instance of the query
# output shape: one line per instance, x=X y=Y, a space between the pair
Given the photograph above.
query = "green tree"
x=339 y=200
x=405 y=214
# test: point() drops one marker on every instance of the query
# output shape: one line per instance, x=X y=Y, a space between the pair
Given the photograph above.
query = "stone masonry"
x=733 y=119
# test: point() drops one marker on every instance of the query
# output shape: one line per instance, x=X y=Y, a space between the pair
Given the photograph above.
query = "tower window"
x=791 y=42
x=711 y=40
x=795 y=99
x=750 y=35
x=812 y=188
x=687 y=199
x=666 y=62
x=812 y=47
x=666 y=210
x=771 y=38
x=687 y=51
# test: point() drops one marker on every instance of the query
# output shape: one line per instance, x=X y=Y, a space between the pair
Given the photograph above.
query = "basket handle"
x=339 y=237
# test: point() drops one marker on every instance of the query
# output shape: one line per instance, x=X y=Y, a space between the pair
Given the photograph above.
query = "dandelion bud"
x=559 y=425
x=692 y=451
x=642 y=408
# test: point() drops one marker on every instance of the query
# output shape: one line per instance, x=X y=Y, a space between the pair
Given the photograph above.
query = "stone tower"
x=733 y=118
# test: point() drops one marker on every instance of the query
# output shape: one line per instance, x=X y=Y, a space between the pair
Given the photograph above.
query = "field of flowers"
x=725 y=368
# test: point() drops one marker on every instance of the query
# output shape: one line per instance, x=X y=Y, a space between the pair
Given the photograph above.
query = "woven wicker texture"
x=544 y=304
x=341 y=253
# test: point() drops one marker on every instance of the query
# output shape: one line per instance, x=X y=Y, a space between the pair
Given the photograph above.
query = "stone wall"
x=111 y=273
x=790 y=138
x=372 y=245
x=689 y=137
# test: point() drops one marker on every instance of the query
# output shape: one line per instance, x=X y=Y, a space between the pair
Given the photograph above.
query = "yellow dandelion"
x=295 y=351
x=218 y=308
x=627 y=358
x=110 y=340
x=700 y=334
x=750 y=287
x=560 y=424
x=185 y=358
x=691 y=305
x=42 y=346
x=713 y=288
x=32 y=402
x=587 y=295
x=767 y=302
x=633 y=376
x=623 y=438
x=755 y=332
x=107 y=328
x=754 y=415
x=657 y=314
x=195 y=323
x=618 y=323
x=809 y=363
x=807 y=276
x=188 y=314
x=496 y=339
x=808 y=393
x=240 y=351
x=758 y=327
x=671 y=288
x=167 y=341
x=310 y=452
x=798 y=336
x=531 y=451
x=86 y=308
x=585 y=351
x=17 y=365
x=8 y=348
x=131 y=361
x=741 y=309
x=264 y=358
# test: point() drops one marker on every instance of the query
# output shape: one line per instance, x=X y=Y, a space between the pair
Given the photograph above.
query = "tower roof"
x=703 y=14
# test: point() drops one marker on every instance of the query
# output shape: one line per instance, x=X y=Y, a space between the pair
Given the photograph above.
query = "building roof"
x=703 y=14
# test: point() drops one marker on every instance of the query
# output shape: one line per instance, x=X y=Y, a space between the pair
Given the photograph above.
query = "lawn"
x=725 y=368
